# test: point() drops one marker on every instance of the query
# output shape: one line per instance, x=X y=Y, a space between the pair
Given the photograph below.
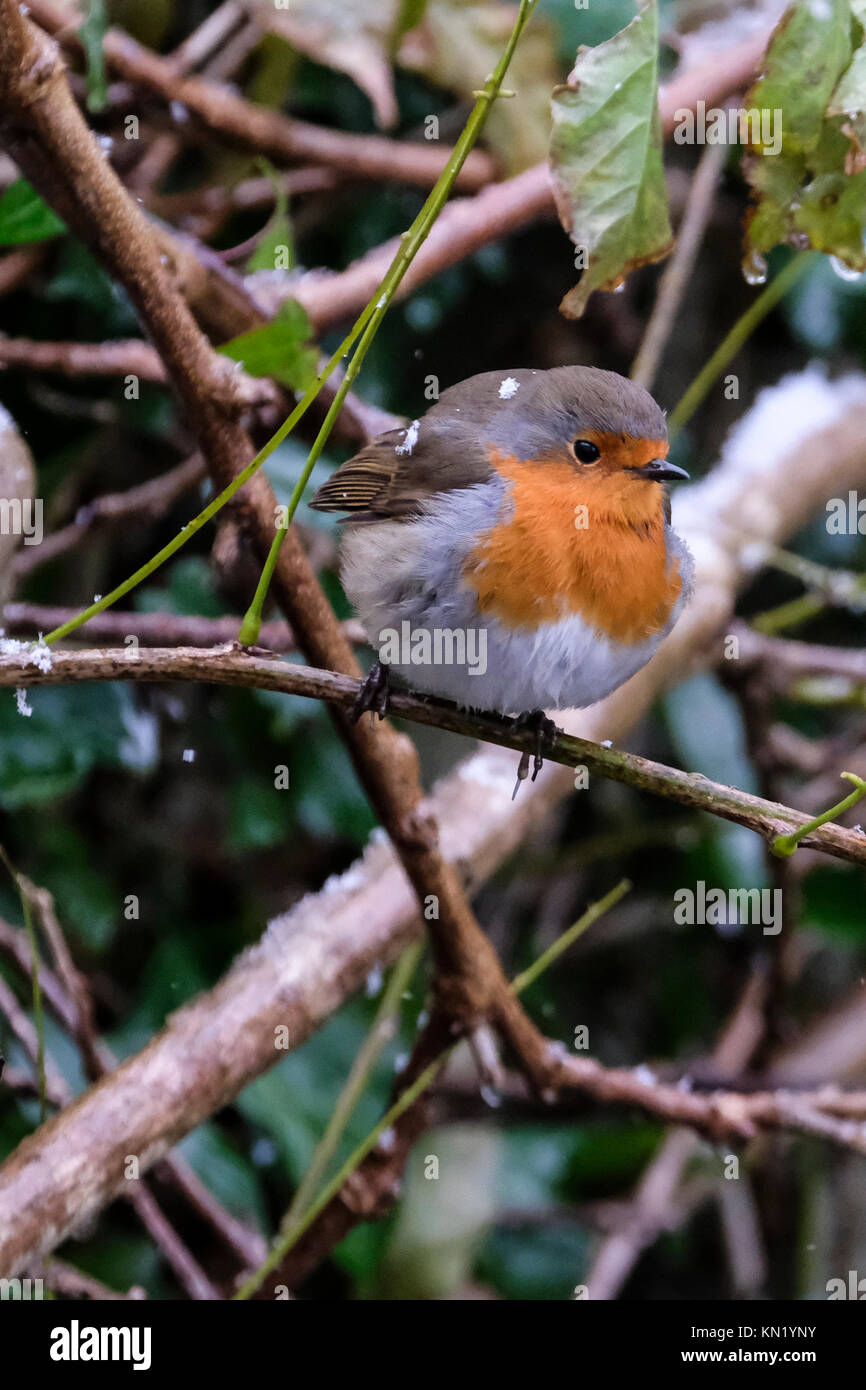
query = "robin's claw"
x=545 y=737
x=374 y=693
x=522 y=773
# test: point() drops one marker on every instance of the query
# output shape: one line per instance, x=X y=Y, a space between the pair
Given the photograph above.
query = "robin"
x=511 y=551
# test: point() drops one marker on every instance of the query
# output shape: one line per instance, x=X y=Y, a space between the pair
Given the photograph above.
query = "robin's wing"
x=396 y=473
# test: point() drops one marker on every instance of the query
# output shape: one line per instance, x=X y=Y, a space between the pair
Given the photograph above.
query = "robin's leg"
x=545 y=734
x=374 y=693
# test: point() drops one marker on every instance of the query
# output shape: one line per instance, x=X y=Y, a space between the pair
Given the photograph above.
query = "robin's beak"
x=659 y=471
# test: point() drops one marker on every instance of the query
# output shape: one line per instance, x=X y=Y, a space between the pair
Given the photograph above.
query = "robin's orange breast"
x=570 y=550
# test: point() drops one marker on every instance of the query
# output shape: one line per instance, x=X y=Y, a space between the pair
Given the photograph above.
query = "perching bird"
x=511 y=550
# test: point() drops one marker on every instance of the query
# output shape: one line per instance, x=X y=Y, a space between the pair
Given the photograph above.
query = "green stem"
x=790 y=614
x=366 y=1059
x=410 y=243
x=568 y=938
x=38 y=1012
x=785 y=845
x=735 y=339
x=406 y=1100
x=841 y=588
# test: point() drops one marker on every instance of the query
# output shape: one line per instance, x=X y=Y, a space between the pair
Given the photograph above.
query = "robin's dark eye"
x=585 y=451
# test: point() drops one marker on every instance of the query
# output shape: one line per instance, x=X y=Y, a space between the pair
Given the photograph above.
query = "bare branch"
x=233 y=665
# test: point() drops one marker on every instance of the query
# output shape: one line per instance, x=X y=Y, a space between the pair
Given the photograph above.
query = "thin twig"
x=677 y=273
x=157 y=629
x=233 y=665
x=146 y=501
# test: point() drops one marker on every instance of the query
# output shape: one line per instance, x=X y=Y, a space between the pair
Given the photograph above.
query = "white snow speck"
x=607 y=743
x=35 y=653
x=21 y=701
x=410 y=440
x=179 y=112
x=645 y=1076
x=189 y=755
x=508 y=388
x=374 y=982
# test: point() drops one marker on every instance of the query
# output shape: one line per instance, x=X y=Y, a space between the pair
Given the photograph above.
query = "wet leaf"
x=25 y=217
x=279 y=349
x=811 y=190
x=92 y=33
x=606 y=159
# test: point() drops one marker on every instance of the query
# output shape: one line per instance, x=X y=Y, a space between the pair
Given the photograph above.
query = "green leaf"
x=542 y=1263
x=72 y=730
x=276 y=250
x=260 y=815
x=92 y=33
x=811 y=190
x=279 y=349
x=24 y=216
x=275 y=247
x=606 y=159
x=808 y=52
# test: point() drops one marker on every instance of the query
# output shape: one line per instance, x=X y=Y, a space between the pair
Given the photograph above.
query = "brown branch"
x=70 y=1002
x=16 y=265
x=233 y=665
x=677 y=273
x=157 y=629
x=210 y=35
x=783 y=661
x=657 y=1204
x=206 y=207
x=265 y=131
x=189 y=1272
x=130 y=357
x=195 y=274
x=65 y=1279
x=146 y=501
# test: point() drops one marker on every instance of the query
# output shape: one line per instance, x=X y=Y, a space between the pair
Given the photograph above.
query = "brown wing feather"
x=379 y=482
